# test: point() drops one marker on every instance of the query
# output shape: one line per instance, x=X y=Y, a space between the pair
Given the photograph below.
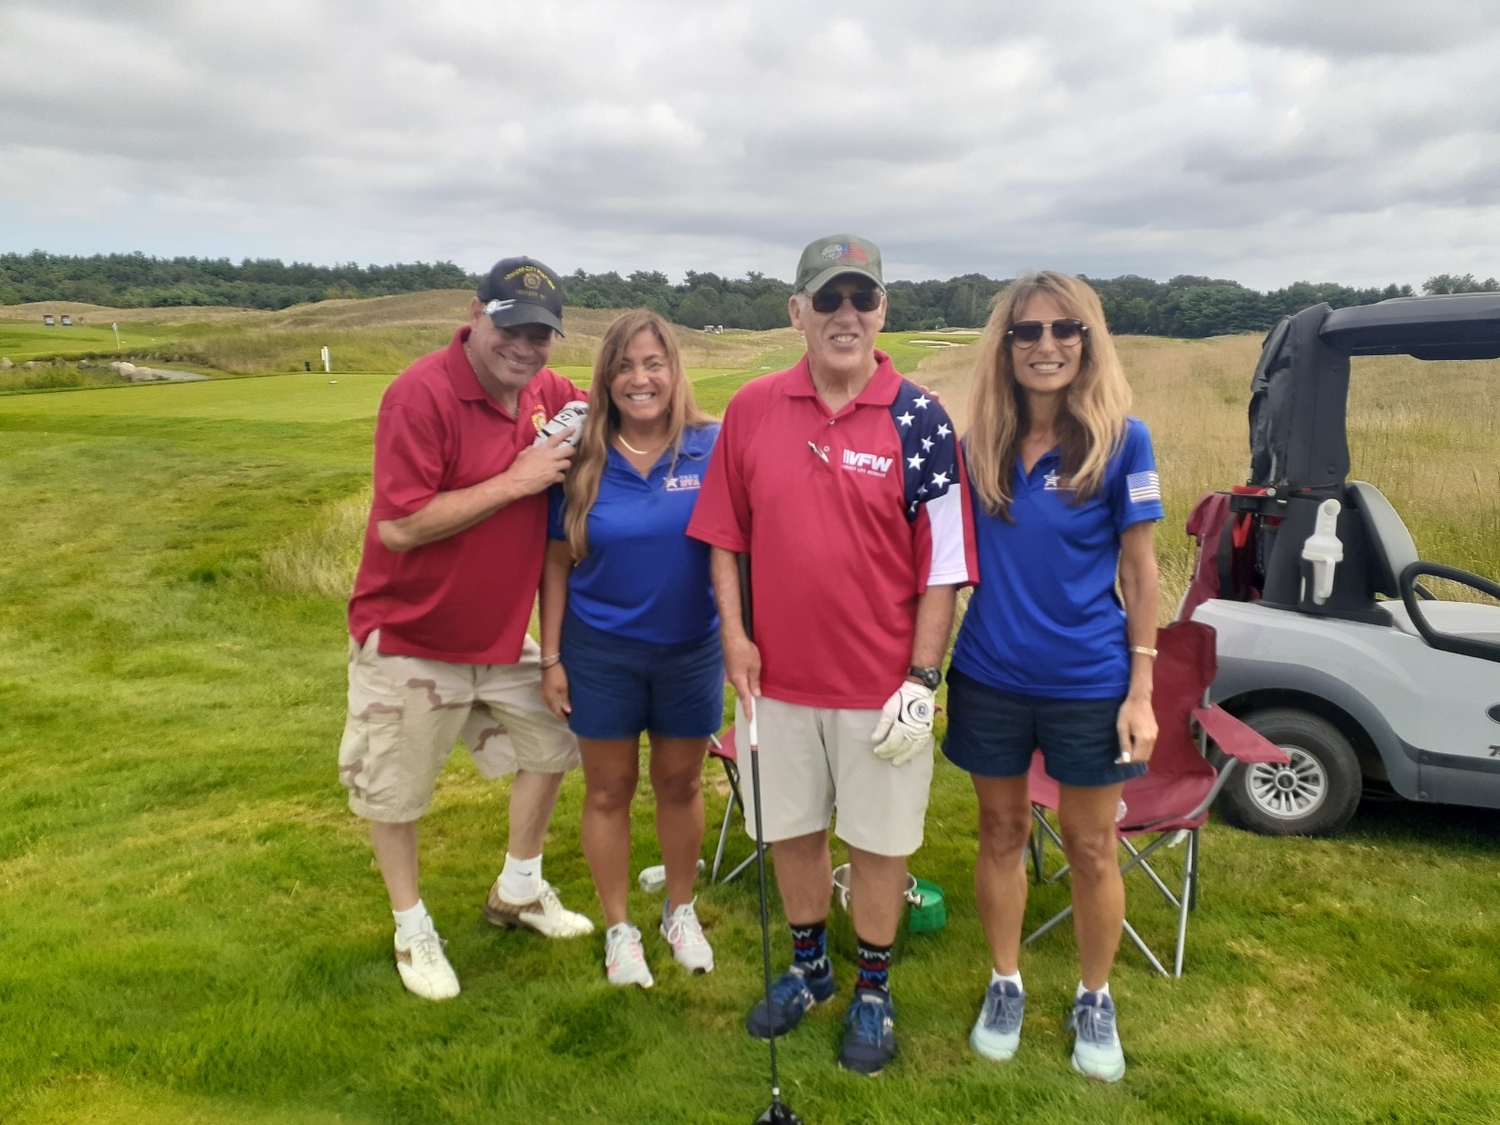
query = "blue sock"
x=874 y=968
x=810 y=949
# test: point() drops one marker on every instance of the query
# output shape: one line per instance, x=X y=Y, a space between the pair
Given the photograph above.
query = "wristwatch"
x=929 y=676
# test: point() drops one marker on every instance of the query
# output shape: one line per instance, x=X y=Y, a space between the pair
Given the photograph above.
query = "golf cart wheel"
x=1315 y=795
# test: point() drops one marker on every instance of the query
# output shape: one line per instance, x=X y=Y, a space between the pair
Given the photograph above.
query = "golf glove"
x=572 y=415
x=905 y=726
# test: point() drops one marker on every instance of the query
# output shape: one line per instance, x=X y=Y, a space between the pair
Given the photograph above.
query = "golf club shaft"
x=760 y=848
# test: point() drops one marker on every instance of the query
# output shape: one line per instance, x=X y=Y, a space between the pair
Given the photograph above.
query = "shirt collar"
x=461 y=371
x=881 y=390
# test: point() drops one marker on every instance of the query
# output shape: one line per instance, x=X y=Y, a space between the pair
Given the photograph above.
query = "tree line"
x=1185 y=306
x=138 y=281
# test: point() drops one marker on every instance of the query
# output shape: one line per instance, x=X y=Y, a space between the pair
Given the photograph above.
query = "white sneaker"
x=684 y=934
x=424 y=967
x=624 y=959
x=545 y=914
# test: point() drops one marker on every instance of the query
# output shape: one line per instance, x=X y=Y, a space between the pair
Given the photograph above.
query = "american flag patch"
x=1143 y=487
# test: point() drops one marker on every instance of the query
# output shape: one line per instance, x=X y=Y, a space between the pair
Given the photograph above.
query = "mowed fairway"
x=193 y=929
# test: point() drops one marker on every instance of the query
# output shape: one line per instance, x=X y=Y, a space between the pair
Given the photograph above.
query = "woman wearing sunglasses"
x=630 y=634
x=1065 y=497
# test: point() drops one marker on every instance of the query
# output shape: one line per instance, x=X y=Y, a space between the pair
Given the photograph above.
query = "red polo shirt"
x=848 y=517
x=465 y=599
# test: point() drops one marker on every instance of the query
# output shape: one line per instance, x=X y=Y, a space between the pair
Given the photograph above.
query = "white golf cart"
x=1328 y=643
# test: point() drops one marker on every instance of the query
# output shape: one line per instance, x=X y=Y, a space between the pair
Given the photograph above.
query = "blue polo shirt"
x=643 y=578
x=1044 y=619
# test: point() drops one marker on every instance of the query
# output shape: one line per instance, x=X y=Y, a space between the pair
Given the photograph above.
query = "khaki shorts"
x=406 y=715
x=815 y=760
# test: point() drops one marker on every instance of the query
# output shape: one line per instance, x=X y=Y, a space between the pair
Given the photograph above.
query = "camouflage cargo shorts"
x=407 y=714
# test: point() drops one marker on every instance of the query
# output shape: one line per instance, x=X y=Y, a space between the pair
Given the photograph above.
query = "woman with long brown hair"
x=1065 y=498
x=630 y=634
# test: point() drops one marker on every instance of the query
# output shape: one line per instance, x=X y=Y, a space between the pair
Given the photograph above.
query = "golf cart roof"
x=1453 y=326
x=1299 y=392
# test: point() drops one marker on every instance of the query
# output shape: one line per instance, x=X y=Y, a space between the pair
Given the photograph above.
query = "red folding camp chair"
x=722 y=748
x=1170 y=801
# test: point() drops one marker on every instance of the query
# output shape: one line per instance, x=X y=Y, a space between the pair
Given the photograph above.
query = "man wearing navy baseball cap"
x=438 y=649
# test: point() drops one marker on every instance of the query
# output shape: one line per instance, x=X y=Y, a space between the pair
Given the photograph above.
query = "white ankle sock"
x=412 y=921
x=1103 y=990
x=997 y=977
x=521 y=879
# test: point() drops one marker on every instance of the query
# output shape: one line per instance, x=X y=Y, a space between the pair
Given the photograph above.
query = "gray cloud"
x=1255 y=139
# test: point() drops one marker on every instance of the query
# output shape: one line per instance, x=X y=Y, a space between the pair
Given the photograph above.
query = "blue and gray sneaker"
x=997 y=1031
x=1096 y=1051
x=869 y=1033
x=792 y=994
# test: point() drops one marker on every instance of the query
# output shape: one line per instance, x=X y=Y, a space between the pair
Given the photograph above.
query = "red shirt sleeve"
x=409 y=463
x=721 y=518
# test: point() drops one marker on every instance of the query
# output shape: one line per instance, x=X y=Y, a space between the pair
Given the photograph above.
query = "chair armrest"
x=1236 y=739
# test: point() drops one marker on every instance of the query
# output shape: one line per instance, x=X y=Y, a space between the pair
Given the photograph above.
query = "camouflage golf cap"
x=836 y=255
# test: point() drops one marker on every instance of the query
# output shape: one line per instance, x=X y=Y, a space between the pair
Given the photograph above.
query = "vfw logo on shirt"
x=867 y=464
x=683 y=482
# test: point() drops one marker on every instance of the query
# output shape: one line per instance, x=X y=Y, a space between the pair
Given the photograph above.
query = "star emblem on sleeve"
x=915 y=460
x=906 y=419
x=926 y=445
x=920 y=402
x=943 y=430
x=939 y=480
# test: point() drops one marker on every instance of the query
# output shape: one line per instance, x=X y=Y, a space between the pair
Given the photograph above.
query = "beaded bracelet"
x=1144 y=651
x=549 y=661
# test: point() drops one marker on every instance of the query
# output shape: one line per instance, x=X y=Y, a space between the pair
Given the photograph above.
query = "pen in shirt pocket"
x=814 y=447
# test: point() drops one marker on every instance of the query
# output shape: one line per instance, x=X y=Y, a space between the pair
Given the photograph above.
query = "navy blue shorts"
x=993 y=733
x=620 y=687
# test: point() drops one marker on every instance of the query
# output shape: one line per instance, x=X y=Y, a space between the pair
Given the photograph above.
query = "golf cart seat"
x=1171 y=800
x=1392 y=548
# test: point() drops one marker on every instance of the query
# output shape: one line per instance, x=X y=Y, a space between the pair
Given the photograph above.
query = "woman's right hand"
x=555 y=691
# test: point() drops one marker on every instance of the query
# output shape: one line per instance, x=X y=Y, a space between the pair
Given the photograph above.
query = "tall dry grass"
x=321 y=558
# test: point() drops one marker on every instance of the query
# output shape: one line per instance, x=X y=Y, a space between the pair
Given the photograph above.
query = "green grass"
x=194 y=931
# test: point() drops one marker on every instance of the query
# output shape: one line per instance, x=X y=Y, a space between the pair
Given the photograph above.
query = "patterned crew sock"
x=810 y=949
x=874 y=968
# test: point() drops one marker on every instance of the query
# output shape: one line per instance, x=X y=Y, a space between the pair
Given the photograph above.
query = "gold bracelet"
x=549 y=661
x=1144 y=651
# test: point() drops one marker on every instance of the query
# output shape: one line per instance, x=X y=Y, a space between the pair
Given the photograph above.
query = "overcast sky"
x=1263 y=140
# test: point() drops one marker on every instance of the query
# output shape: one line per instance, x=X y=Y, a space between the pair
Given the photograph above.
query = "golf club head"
x=778 y=1114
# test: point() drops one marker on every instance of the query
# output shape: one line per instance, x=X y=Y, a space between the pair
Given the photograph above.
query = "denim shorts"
x=993 y=733
x=620 y=687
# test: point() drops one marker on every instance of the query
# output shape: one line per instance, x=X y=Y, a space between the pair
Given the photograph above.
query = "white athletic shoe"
x=424 y=967
x=624 y=959
x=684 y=934
x=545 y=914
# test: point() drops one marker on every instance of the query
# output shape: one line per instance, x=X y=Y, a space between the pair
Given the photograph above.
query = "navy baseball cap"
x=522 y=291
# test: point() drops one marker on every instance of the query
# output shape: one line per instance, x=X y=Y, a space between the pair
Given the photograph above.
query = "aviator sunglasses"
x=1025 y=333
x=831 y=300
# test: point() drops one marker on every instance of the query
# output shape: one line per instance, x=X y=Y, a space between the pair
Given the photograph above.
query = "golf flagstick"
x=778 y=1112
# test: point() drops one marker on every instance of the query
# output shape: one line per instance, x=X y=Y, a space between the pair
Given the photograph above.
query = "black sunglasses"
x=1067 y=331
x=831 y=300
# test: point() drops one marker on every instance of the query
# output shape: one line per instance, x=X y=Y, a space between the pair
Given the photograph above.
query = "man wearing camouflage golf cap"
x=452 y=559
x=841 y=480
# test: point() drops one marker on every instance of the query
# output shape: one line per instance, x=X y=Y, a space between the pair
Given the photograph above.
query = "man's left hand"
x=905 y=726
